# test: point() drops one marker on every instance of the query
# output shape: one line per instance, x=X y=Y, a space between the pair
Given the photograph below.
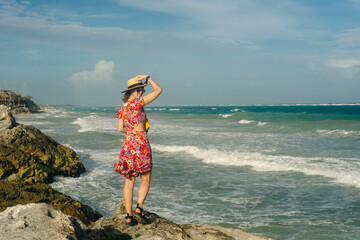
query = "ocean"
x=282 y=171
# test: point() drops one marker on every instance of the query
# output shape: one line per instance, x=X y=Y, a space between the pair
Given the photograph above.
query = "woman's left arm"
x=121 y=126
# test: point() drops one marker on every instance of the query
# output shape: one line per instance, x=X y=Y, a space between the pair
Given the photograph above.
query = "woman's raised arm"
x=154 y=94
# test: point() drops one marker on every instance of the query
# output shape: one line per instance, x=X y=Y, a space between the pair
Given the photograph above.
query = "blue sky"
x=200 y=51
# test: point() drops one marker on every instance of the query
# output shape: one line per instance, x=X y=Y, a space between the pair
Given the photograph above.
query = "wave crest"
x=95 y=123
x=340 y=170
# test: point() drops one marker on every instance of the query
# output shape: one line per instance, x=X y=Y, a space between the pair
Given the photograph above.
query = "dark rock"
x=14 y=193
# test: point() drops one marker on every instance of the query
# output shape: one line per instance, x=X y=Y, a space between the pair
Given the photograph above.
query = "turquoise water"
x=285 y=172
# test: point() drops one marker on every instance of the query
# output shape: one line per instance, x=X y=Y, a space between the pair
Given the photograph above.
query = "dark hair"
x=126 y=96
x=128 y=93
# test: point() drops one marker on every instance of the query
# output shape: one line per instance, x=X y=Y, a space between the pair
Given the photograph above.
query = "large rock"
x=43 y=222
x=159 y=228
x=39 y=221
x=26 y=154
x=14 y=193
x=28 y=158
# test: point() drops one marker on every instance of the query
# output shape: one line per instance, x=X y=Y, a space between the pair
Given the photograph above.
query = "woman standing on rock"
x=135 y=156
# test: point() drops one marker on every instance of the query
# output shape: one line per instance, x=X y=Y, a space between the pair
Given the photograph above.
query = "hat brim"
x=138 y=86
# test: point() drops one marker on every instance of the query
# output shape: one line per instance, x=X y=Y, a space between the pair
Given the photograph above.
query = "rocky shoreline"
x=29 y=160
x=31 y=209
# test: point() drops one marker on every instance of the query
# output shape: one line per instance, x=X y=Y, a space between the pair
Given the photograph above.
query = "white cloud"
x=350 y=68
x=344 y=63
x=103 y=74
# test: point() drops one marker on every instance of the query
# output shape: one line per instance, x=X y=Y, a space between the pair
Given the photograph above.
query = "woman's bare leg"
x=143 y=189
x=128 y=195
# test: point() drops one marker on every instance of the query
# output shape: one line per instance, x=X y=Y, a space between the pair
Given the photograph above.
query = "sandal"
x=133 y=221
x=141 y=214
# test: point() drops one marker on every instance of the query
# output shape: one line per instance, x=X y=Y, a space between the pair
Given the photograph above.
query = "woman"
x=135 y=156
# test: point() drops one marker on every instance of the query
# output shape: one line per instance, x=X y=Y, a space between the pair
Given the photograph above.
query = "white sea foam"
x=244 y=121
x=235 y=110
x=340 y=170
x=34 y=123
x=56 y=112
x=96 y=123
x=53 y=110
x=47 y=130
x=174 y=109
x=225 y=115
x=338 y=132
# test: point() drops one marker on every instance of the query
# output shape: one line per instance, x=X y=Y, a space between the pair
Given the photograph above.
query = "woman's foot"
x=139 y=212
x=129 y=220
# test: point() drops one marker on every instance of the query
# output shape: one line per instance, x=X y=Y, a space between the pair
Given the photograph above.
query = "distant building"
x=15 y=100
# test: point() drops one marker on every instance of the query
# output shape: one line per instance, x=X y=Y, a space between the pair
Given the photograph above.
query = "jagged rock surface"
x=39 y=221
x=14 y=193
x=26 y=154
x=43 y=222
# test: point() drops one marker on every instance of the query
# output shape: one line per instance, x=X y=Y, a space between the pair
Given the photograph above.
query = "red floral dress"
x=135 y=156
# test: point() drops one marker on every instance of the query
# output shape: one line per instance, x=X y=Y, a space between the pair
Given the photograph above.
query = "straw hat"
x=134 y=83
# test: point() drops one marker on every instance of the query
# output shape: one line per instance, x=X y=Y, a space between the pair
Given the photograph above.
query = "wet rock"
x=14 y=193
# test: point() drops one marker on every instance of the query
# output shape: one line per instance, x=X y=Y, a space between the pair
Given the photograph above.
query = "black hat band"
x=136 y=84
